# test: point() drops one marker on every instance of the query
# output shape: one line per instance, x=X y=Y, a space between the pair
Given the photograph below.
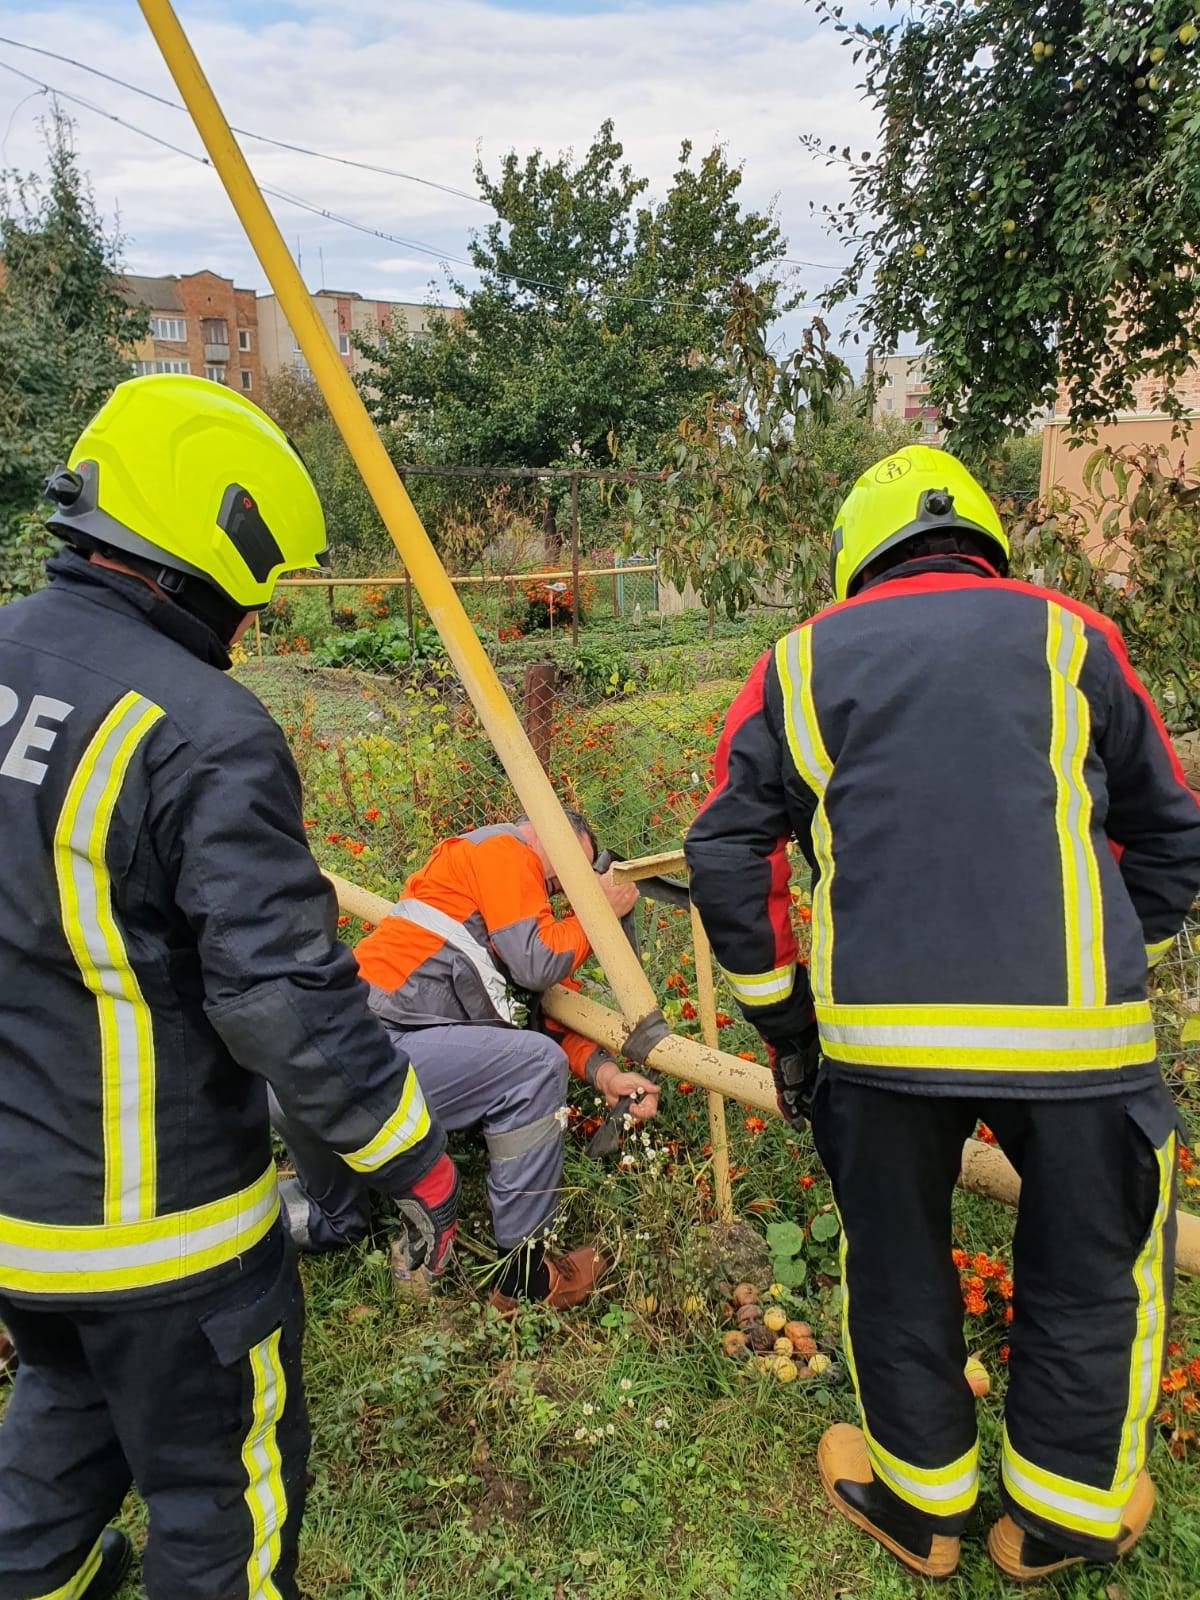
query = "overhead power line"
x=299 y=149
x=261 y=138
x=349 y=222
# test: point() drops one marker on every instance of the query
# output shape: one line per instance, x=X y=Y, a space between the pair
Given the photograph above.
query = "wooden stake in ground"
x=718 y=1133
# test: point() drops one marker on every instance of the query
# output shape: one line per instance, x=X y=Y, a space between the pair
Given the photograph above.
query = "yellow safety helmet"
x=192 y=477
x=917 y=490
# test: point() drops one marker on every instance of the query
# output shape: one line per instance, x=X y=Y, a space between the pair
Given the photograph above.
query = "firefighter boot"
x=1023 y=1558
x=850 y=1485
x=115 y=1556
x=571 y=1279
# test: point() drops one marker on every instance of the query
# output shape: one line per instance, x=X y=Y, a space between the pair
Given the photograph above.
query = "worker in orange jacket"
x=476 y=923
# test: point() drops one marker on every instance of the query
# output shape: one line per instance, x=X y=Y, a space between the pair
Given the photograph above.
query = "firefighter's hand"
x=614 y=1085
x=622 y=897
x=430 y=1209
x=794 y=1067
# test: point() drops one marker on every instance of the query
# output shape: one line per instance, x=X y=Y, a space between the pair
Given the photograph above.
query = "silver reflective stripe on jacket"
x=438 y=922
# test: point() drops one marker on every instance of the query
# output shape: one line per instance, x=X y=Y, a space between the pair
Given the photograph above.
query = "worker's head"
x=188 y=484
x=582 y=830
x=919 y=501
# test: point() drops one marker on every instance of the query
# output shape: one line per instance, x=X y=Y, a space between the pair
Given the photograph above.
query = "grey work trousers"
x=509 y=1082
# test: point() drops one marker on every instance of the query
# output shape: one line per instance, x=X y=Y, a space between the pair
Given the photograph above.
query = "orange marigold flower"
x=372 y=814
x=974 y=1283
x=687 y=1011
x=368 y=927
x=684 y=1087
x=804 y=913
x=1193 y=1367
x=1175 y=1381
x=807 y=1181
x=984 y=1134
x=343 y=922
x=1008 y=1313
x=959 y=1258
x=753 y=1124
x=975 y=1303
x=1004 y=1352
x=333 y=838
x=310 y=822
x=1174 y=1348
x=747 y=1055
x=724 y=1020
x=355 y=846
x=982 y=1264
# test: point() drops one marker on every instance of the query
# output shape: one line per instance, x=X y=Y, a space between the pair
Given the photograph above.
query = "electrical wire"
x=349 y=222
x=306 y=150
x=245 y=133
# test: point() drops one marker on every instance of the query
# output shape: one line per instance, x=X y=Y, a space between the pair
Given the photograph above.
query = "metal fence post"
x=538 y=715
x=575 y=560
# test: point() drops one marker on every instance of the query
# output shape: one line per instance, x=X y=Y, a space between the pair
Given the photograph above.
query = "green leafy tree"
x=598 y=321
x=754 y=480
x=1033 y=206
x=1129 y=549
x=65 y=334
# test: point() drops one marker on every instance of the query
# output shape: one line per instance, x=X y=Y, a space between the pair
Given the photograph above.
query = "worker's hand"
x=614 y=1085
x=622 y=897
x=430 y=1210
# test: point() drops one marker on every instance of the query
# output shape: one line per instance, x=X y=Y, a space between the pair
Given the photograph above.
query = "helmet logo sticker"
x=893 y=468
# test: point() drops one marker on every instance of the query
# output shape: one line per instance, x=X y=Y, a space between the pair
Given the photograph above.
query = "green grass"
x=447 y=1464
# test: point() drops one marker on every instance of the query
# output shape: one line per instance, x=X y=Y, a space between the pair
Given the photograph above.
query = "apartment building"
x=202 y=323
x=344 y=315
x=903 y=392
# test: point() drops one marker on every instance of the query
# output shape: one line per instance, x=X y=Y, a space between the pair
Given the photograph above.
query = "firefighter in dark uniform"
x=168 y=951
x=1001 y=845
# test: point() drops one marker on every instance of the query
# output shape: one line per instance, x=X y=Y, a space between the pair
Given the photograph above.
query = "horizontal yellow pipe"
x=985 y=1169
x=629 y=983
x=396 y=582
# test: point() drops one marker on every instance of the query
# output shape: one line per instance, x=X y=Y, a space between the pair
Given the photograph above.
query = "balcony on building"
x=214 y=331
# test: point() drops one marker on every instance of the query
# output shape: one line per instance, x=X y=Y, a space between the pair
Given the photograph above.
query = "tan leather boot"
x=1026 y=1559
x=846 y=1477
x=573 y=1276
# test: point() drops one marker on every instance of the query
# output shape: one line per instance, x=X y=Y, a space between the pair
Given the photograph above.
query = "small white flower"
x=661 y=1422
x=628 y=1401
x=626 y=1385
x=580 y=1434
x=627 y=1161
x=588 y=1409
x=610 y=1429
x=560 y=1116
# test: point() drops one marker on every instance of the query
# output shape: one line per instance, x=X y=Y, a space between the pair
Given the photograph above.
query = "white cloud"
x=420 y=88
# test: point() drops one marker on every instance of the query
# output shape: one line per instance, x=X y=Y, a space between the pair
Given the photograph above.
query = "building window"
x=343 y=344
x=141 y=368
x=173 y=330
x=889 y=379
x=215 y=374
x=214 y=330
x=887 y=404
x=243 y=338
x=247 y=380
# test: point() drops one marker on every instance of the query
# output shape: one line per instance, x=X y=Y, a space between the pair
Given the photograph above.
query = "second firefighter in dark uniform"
x=1002 y=845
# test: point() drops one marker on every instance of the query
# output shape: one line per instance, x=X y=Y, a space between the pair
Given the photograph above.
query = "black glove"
x=430 y=1212
x=794 y=1067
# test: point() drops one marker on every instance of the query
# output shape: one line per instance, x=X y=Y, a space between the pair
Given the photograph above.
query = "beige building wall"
x=343 y=316
x=903 y=393
x=1063 y=468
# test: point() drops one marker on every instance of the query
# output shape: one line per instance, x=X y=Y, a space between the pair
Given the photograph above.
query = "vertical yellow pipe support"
x=718 y=1133
x=628 y=981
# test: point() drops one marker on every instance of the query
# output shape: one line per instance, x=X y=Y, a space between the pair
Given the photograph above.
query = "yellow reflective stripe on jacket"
x=1070 y=722
x=406 y=1126
x=89 y=922
x=1155 y=952
x=1146 y=1356
x=990 y=1038
x=794 y=663
x=265 y=1495
x=1069 y=1504
x=45 y=1258
x=75 y=1588
x=937 y=1491
x=763 y=988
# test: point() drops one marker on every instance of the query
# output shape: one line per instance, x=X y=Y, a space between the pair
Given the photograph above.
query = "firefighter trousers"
x=198 y=1402
x=1093 y=1266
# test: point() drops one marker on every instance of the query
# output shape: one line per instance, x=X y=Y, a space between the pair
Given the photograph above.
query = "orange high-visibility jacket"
x=491 y=885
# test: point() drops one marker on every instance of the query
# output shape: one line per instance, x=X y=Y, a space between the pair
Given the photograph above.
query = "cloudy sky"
x=421 y=88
